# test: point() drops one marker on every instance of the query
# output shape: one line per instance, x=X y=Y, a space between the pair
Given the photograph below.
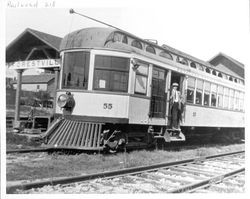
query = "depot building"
x=34 y=50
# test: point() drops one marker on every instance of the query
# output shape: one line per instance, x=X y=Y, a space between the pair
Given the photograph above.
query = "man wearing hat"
x=175 y=99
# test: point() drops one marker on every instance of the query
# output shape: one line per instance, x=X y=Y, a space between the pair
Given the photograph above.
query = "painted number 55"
x=107 y=106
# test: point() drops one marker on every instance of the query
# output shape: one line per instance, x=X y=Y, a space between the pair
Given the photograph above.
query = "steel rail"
x=207 y=182
x=28 y=150
x=110 y=174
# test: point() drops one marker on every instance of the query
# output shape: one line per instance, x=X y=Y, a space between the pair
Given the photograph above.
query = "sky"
x=201 y=28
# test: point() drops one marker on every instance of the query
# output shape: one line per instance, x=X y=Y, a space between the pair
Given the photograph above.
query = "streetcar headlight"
x=62 y=100
x=66 y=101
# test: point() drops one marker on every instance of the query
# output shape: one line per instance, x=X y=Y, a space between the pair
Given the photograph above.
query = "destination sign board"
x=30 y=64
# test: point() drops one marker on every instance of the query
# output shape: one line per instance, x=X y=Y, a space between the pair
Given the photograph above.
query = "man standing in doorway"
x=175 y=99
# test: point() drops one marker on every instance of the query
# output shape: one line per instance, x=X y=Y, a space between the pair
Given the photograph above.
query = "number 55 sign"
x=107 y=106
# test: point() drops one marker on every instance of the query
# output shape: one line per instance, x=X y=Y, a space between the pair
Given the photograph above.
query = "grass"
x=15 y=141
x=56 y=165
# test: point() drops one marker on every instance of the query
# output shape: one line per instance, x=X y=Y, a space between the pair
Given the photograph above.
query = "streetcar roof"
x=97 y=37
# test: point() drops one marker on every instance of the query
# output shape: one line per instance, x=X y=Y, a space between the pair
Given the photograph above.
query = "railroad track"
x=188 y=175
x=32 y=150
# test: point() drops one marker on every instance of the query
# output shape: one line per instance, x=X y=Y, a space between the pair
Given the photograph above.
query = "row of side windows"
x=112 y=74
x=205 y=93
x=166 y=54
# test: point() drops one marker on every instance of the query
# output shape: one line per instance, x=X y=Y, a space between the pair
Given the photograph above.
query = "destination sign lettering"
x=43 y=63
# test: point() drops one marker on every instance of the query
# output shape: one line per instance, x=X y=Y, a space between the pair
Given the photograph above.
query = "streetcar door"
x=180 y=79
x=158 y=95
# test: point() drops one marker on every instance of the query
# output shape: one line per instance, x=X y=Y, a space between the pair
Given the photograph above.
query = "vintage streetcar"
x=114 y=92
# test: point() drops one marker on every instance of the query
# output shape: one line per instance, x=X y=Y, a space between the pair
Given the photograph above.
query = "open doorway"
x=178 y=78
x=175 y=111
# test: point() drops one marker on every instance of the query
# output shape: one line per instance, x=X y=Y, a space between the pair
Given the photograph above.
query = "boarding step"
x=69 y=134
x=171 y=135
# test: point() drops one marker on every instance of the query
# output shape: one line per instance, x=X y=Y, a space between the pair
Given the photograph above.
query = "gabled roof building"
x=226 y=63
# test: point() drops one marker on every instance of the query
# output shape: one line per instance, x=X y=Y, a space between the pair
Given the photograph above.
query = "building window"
x=190 y=90
x=226 y=98
x=199 y=89
x=75 y=70
x=37 y=87
x=219 y=74
x=230 y=78
x=166 y=55
x=136 y=44
x=214 y=72
x=111 y=73
x=220 y=96
x=141 y=79
x=213 y=95
x=206 y=99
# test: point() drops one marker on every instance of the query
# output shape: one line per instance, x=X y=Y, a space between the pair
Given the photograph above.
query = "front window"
x=75 y=70
x=111 y=73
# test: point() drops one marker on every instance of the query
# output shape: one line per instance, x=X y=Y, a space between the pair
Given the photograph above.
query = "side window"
x=136 y=44
x=207 y=70
x=141 y=79
x=213 y=95
x=166 y=55
x=150 y=49
x=206 y=98
x=231 y=100
x=220 y=96
x=193 y=65
x=226 y=98
x=241 y=101
x=190 y=90
x=199 y=89
x=111 y=73
x=236 y=102
x=182 y=60
x=124 y=39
